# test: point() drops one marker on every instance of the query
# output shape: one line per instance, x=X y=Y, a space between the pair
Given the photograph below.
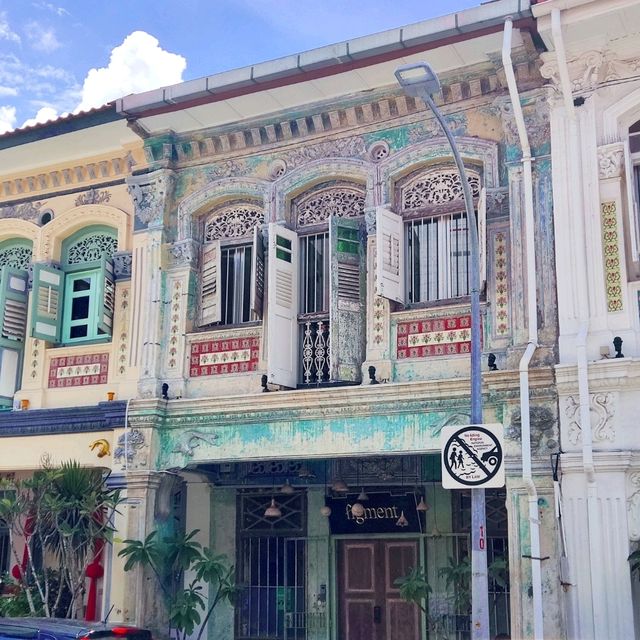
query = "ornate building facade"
x=271 y=267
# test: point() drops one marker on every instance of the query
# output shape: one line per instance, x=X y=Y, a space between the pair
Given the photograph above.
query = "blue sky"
x=60 y=55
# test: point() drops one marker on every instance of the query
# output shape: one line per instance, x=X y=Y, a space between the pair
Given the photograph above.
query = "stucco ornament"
x=542 y=422
x=610 y=161
x=183 y=253
x=122 y=264
x=352 y=147
x=235 y=221
x=149 y=193
x=93 y=196
x=17 y=257
x=191 y=439
x=601 y=406
x=26 y=211
x=318 y=206
x=129 y=450
x=633 y=506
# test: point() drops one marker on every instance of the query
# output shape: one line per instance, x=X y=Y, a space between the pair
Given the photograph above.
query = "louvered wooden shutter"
x=106 y=297
x=257 y=273
x=347 y=299
x=210 y=294
x=46 y=313
x=282 y=335
x=482 y=237
x=390 y=255
x=13 y=305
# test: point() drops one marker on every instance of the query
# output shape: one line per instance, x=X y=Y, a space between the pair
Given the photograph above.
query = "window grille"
x=437 y=257
x=91 y=248
x=236 y=284
x=18 y=257
x=315 y=351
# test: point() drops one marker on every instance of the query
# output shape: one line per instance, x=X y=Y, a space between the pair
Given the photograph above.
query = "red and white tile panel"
x=215 y=357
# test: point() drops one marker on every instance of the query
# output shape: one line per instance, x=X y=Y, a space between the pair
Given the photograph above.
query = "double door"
x=370 y=607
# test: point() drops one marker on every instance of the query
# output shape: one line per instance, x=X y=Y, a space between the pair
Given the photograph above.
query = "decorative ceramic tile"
x=502 y=283
x=434 y=337
x=78 y=371
x=215 y=357
x=611 y=256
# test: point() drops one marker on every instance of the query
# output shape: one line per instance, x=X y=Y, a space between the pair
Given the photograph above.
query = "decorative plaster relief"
x=149 y=193
x=352 y=147
x=122 y=264
x=611 y=256
x=77 y=371
x=610 y=161
x=542 y=421
x=29 y=211
x=434 y=337
x=319 y=205
x=436 y=188
x=123 y=338
x=130 y=448
x=236 y=221
x=224 y=356
x=190 y=440
x=174 y=325
x=93 y=196
x=183 y=254
x=633 y=506
x=602 y=406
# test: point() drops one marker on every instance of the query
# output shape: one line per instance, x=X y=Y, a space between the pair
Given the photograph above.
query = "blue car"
x=59 y=629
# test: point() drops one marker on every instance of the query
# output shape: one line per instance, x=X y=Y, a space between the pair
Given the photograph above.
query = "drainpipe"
x=593 y=519
x=532 y=342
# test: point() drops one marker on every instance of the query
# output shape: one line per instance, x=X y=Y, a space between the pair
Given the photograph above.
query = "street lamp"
x=420 y=80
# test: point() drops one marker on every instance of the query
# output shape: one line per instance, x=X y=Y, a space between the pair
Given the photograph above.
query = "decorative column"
x=151 y=194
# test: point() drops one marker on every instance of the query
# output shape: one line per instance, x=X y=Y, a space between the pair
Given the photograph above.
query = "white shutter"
x=282 y=337
x=390 y=255
x=46 y=309
x=257 y=273
x=482 y=237
x=210 y=292
x=106 y=297
x=10 y=360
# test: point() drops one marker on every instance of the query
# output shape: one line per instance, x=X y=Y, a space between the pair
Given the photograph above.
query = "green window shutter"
x=347 y=293
x=106 y=297
x=257 y=273
x=48 y=290
x=13 y=306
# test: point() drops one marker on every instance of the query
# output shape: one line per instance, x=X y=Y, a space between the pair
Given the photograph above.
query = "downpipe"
x=532 y=342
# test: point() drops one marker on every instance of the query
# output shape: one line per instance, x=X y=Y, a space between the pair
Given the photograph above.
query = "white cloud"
x=8 y=91
x=6 y=33
x=42 y=38
x=138 y=64
x=7 y=119
x=59 y=11
x=44 y=114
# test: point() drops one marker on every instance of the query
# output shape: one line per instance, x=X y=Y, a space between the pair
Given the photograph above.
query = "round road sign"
x=472 y=457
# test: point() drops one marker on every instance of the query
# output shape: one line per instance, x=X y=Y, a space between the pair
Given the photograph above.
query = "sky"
x=62 y=56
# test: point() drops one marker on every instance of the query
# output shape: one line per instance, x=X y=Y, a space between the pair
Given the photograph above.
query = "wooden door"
x=370 y=607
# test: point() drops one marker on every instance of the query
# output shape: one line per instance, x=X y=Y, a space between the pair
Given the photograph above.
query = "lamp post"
x=420 y=80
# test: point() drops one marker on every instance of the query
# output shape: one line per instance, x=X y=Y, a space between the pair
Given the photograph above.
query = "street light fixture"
x=419 y=80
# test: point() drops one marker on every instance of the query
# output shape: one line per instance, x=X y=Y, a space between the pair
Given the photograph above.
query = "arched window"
x=424 y=252
x=232 y=264
x=75 y=303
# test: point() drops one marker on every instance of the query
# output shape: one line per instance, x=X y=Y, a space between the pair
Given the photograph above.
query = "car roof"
x=72 y=628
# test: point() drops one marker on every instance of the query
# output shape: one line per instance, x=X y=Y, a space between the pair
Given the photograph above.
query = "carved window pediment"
x=233 y=221
x=436 y=188
x=92 y=247
x=318 y=205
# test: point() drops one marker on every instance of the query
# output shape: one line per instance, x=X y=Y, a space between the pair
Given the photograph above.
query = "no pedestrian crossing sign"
x=472 y=456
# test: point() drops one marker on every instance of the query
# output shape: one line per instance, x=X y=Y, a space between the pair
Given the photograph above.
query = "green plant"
x=414 y=588
x=457 y=575
x=169 y=559
x=63 y=511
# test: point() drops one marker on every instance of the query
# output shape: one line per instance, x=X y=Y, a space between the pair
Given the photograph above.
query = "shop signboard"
x=386 y=512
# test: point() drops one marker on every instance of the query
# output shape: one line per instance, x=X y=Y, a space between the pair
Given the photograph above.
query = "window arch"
x=318 y=204
x=89 y=245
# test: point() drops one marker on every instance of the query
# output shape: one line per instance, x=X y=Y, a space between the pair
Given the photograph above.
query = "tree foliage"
x=63 y=511
x=169 y=559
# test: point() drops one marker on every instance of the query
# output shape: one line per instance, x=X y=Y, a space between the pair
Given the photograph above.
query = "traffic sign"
x=472 y=456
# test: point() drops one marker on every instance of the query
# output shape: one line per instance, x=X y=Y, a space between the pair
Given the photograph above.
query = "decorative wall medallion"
x=378 y=151
x=149 y=193
x=611 y=256
x=18 y=257
x=93 y=196
x=129 y=446
x=436 y=188
x=434 y=337
x=601 y=406
x=235 y=221
x=77 y=371
x=277 y=169
x=542 y=422
x=344 y=201
x=214 y=357
x=610 y=161
x=501 y=283
x=191 y=439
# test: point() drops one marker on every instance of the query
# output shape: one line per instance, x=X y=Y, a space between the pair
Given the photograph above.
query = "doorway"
x=370 y=607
